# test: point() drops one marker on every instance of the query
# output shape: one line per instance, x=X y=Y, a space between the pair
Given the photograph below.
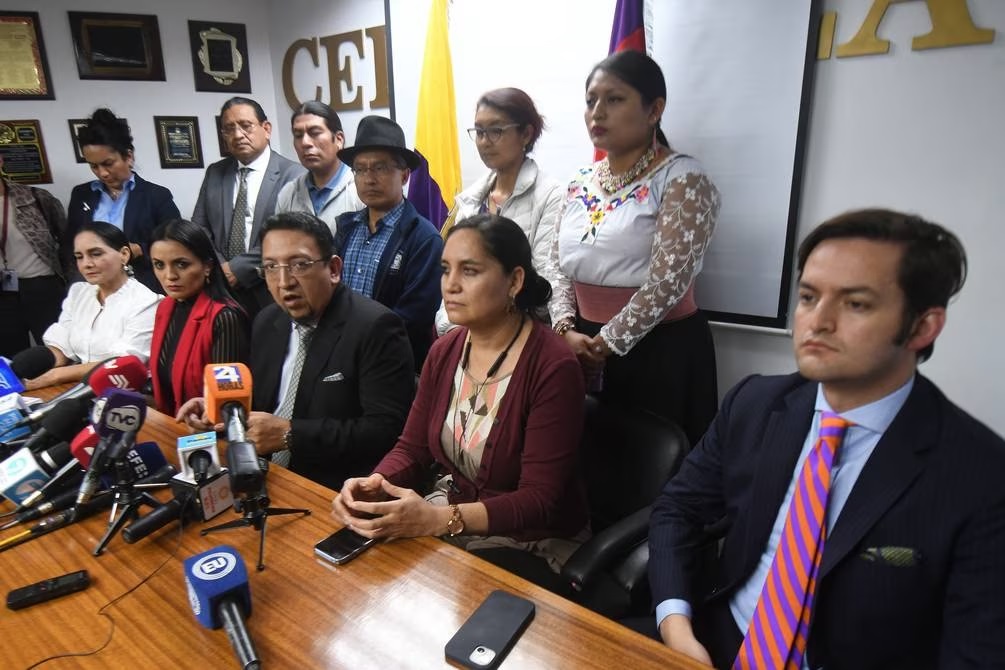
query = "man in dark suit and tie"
x=861 y=514
x=332 y=370
x=239 y=193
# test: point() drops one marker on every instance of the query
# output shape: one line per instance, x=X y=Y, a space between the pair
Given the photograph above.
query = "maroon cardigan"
x=192 y=353
x=530 y=479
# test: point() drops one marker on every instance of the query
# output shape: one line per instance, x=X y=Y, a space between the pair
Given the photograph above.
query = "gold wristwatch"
x=456 y=524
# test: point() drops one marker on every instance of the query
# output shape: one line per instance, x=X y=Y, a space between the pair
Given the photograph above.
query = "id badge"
x=8 y=280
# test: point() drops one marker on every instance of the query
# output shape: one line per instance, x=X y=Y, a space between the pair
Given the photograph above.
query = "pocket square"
x=896 y=557
x=334 y=377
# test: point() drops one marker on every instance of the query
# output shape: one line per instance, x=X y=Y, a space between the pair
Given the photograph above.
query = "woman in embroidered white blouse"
x=629 y=244
x=111 y=314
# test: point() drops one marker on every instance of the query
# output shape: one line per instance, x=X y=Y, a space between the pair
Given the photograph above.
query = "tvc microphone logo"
x=124 y=418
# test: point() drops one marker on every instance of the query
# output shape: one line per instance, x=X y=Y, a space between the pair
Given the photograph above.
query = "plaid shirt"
x=362 y=252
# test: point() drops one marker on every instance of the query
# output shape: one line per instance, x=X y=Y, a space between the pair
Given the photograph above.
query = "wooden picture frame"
x=23 y=151
x=220 y=61
x=178 y=141
x=24 y=69
x=117 y=46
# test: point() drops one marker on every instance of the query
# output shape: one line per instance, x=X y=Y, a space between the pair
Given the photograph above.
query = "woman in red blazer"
x=198 y=323
x=498 y=412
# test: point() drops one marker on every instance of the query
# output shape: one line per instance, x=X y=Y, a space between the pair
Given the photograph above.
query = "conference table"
x=395 y=606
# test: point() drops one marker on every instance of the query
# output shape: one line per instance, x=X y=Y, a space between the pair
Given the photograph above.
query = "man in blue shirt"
x=328 y=189
x=390 y=252
x=910 y=566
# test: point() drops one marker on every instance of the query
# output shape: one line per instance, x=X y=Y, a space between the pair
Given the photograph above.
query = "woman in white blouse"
x=507 y=126
x=110 y=315
x=629 y=244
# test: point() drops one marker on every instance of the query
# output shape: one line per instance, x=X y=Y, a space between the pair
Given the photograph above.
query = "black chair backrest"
x=628 y=455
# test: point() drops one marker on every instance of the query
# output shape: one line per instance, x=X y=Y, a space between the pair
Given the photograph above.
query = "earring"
x=511 y=307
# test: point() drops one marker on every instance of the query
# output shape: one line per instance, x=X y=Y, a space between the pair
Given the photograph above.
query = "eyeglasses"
x=378 y=170
x=492 y=133
x=296 y=268
x=243 y=127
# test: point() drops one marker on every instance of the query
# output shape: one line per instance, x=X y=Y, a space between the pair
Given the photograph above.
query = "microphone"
x=124 y=372
x=25 y=472
x=10 y=381
x=80 y=450
x=201 y=490
x=217 y=582
x=121 y=416
x=227 y=388
x=32 y=362
x=12 y=410
x=60 y=424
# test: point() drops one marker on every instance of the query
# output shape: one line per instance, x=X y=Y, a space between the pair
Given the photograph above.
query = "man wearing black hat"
x=390 y=252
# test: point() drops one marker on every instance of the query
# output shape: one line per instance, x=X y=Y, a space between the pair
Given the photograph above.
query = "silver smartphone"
x=342 y=546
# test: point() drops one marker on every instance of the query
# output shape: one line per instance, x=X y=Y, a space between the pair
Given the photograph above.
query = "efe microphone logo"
x=123 y=418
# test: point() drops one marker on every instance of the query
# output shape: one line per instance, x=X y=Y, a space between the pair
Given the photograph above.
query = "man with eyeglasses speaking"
x=391 y=252
x=332 y=372
x=239 y=193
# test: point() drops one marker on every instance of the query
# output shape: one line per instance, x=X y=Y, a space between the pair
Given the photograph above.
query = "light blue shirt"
x=112 y=211
x=319 y=196
x=362 y=250
x=871 y=421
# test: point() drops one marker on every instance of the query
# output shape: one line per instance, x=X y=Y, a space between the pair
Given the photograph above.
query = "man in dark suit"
x=907 y=569
x=239 y=193
x=332 y=370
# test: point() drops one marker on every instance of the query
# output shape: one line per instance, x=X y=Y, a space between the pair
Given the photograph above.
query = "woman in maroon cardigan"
x=198 y=323
x=499 y=411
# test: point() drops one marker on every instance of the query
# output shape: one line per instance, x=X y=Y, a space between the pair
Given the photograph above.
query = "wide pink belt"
x=600 y=304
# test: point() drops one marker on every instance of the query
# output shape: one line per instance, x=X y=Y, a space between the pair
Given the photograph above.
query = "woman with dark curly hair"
x=117 y=194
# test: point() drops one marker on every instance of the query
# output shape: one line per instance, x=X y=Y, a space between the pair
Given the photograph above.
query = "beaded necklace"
x=613 y=183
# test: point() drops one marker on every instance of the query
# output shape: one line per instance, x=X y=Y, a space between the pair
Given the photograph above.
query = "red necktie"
x=778 y=630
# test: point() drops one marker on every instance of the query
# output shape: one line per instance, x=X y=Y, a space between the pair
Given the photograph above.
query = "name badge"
x=8 y=281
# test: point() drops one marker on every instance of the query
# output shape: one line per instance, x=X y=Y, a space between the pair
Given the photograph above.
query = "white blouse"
x=88 y=332
x=650 y=235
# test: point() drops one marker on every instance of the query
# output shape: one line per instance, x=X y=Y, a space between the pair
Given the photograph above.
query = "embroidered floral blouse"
x=652 y=234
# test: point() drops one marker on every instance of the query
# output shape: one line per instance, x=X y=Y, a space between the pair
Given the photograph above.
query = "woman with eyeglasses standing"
x=198 y=323
x=117 y=194
x=507 y=126
x=630 y=243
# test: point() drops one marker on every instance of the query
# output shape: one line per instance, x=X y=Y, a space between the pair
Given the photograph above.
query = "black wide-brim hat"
x=383 y=134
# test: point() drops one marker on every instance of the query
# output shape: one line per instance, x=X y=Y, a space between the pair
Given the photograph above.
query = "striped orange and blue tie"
x=778 y=630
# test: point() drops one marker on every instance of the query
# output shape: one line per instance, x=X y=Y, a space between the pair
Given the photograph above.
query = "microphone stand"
x=128 y=494
x=255 y=507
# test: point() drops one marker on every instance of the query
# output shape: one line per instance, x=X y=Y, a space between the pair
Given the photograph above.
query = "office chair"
x=628 y=455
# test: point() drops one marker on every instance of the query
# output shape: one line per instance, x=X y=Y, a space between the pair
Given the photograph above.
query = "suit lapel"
x=322 y=348
x=134 y=205
x=783 y=440
x=267 y=376
x=227 y=206
x=898 y=459
x=266 y=196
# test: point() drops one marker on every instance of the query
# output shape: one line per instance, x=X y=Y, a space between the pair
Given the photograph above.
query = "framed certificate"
x=178 y=141
x=24 y=70
x=24 y=158
x=117 y=46
x=219 y=56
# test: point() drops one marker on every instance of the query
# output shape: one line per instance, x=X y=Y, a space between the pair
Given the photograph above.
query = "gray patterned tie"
x=235 y=245
x=285 y=411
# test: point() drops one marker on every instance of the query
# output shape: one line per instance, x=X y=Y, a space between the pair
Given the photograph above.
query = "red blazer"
x=530 y=479
x=192 y=353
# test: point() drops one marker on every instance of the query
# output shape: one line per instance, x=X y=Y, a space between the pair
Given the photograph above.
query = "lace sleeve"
x=684 y=226
x=563 y=297
x=230 y=337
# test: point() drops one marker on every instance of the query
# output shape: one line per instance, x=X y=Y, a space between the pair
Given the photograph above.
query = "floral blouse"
x=652 y=234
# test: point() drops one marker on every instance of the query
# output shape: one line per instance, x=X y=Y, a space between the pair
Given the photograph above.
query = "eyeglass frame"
x=380 y=170
x=227 y=131
x=297 y=269
x=487 y=133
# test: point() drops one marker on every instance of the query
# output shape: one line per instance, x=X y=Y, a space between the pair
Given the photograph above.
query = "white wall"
x=139 y=101
x=920 y=131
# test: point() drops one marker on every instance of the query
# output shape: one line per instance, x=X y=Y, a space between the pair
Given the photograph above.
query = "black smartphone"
x=342 y=546
x=488 y=634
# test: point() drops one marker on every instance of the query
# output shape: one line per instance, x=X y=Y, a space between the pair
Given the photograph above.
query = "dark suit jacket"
x=932 y=485
x=149 y=205
x=215 y=208
x=355 y=390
